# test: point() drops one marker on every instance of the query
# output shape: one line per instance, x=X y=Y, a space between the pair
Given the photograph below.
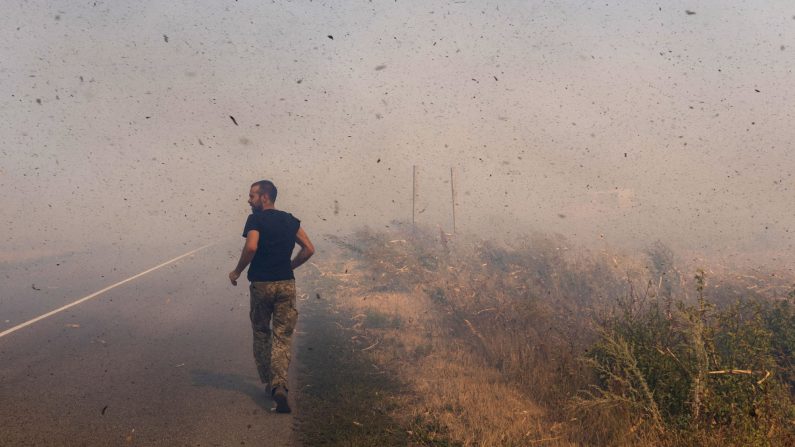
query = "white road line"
x=99 y=292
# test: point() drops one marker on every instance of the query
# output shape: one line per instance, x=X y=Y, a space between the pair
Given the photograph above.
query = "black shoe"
x=280 y=397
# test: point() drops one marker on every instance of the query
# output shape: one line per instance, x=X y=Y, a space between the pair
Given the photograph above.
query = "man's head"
x=262 y=195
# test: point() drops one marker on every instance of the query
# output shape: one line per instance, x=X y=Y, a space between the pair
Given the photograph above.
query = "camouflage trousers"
x=273 y=300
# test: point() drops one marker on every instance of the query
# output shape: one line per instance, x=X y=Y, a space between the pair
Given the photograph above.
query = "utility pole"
x=452 y=192
x=413 y=192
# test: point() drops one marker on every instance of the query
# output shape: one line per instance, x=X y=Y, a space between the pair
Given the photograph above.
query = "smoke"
x=608 y=123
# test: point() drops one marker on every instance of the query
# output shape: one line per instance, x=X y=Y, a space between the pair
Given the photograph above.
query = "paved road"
x=164 y=360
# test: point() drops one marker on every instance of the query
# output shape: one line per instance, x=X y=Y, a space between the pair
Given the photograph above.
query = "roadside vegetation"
x=478 y=344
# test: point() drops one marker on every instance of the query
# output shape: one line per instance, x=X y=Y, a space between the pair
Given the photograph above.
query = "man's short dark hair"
x=266 y=187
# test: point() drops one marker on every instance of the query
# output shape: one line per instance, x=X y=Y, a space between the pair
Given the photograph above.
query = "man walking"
x=271 y=236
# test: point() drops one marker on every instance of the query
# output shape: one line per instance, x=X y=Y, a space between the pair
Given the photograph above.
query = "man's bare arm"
x=307 y=249
x=246 y=255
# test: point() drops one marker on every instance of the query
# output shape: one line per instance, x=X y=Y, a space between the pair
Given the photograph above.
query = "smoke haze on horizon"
x=634 y=121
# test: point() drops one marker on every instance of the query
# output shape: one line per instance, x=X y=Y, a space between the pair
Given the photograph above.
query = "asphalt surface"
x=164 y=360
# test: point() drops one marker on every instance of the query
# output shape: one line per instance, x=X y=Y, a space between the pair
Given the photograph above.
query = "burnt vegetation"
x=543 y=343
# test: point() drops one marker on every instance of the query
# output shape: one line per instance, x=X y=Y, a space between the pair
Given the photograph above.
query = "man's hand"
x=233 y=275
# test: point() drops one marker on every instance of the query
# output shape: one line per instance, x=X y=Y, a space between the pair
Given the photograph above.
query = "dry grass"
x=453 y=394
x=448 y=386
x=475 y=404
x=494 y=345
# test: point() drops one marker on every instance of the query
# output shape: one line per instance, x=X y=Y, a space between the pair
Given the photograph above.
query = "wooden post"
x=413 y=192
x=452 y=191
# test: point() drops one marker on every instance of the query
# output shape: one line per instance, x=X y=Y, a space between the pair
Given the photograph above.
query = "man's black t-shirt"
x=277 y=230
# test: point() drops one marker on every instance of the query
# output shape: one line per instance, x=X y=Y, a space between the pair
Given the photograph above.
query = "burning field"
x=416 y=338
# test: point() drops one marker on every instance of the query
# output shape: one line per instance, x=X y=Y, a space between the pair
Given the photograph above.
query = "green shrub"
x=697 y=375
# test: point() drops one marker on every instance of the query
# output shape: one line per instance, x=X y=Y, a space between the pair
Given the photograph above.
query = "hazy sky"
x=637 y=119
